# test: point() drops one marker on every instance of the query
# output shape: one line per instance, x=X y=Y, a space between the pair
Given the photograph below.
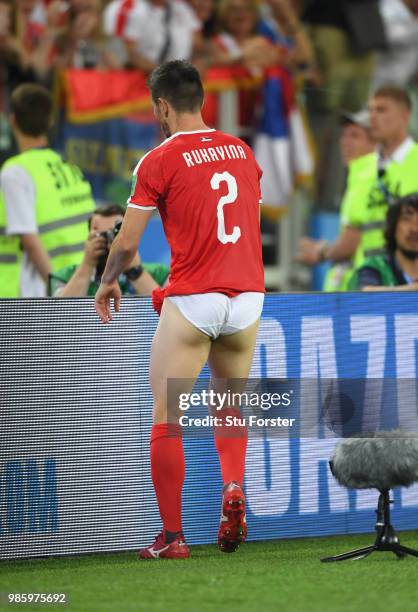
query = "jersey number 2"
x=229 y=198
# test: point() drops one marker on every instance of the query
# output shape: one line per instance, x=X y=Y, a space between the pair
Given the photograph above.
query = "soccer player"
x=206 y=186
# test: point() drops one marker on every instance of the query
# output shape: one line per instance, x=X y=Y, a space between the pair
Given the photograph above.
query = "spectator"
x=397 y=269
x=5 y=25
x=12 y=69
x=84 y=44
x=44 y=57
x=8 y=52
x=342 y=81
x=154 y=30
x=6 y=55
x=30 y=23
x=239 y=41
x=345 y=71
x=84 y=280
x=392 y=174
x=31 y=43
x=282 y=19
x=46 y=201
x=356 y=146
x=383 y=177
x=204 y=50
x=399 y=64
x=117 y=16
x=206 y=14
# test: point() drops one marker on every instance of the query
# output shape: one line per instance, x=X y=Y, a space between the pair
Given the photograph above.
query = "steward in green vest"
x=356 y=147
x=372 y=195
x=376 y=181
x=390 y=175
x=50 y=227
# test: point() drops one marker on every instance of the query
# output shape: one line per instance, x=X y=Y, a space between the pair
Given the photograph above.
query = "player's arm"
x=147 y=187
x=144 y=284
x=126 y=243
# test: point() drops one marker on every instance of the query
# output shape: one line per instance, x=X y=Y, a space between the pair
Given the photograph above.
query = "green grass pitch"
x=283 y=576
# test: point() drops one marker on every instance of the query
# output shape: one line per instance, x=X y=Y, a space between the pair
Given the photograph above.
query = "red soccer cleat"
x=233 y=525
x=160 y=550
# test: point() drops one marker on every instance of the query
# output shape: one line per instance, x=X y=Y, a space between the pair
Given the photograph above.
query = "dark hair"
x=398 y=94
x=179 y=83
x=108 y=210
x=31 y=106
x=392 y=219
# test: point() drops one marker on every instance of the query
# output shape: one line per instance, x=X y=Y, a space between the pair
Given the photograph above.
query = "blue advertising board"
x=75 y=407
x=369 y=338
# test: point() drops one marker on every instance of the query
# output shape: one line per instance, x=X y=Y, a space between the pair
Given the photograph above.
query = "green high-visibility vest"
x=369 y=199
x=359 y=182
x=10 y=255
x=383 y=265
x=64 y=202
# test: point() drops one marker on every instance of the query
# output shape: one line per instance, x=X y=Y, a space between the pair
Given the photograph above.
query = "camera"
x=109 y=237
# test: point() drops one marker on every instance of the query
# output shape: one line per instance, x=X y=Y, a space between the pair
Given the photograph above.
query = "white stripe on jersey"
x=141 y=207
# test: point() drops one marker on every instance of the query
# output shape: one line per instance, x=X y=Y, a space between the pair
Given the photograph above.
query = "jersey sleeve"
x=147 y=183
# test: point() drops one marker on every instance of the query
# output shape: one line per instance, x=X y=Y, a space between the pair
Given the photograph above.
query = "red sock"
x=167 y=470
x=231 y=444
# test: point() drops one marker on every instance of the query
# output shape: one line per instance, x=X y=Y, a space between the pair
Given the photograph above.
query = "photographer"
x=83 y=280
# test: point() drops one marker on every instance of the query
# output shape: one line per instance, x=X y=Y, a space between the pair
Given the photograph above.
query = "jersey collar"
x=194 y=132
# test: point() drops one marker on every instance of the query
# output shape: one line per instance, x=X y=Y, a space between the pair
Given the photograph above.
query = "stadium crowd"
x=351 y=67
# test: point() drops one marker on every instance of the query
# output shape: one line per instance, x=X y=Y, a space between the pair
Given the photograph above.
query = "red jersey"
x=206 y=186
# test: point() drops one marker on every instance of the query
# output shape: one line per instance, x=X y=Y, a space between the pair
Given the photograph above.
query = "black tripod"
x=386 y=538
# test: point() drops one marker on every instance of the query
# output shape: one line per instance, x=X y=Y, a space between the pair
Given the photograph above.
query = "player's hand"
x=104 y=295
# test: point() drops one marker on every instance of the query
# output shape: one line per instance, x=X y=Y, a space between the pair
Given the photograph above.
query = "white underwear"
x=216 y=314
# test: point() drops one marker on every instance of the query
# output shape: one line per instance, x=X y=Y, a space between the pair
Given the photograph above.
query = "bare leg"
x=231 y=356
x=230 y=361
x=179 y=351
